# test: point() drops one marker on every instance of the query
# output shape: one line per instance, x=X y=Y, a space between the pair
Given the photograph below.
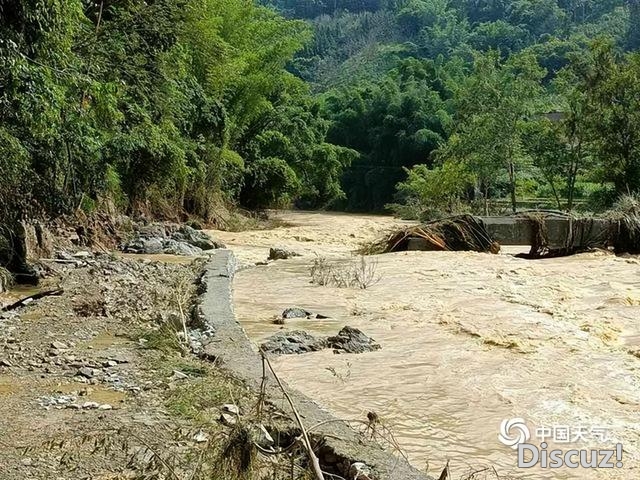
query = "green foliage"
x=431 y=193
x=612 y=104
x=492 y=105
x=164 y=106
x=394 y=123
x=483 y=50
x=174 y=107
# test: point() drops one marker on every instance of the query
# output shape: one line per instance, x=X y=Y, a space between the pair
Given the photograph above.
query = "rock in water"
x=352 y=340
x=281 y=253
x=296 y=312
x=294 y=342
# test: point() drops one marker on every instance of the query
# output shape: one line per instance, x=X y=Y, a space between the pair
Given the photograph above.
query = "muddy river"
x=468 y=340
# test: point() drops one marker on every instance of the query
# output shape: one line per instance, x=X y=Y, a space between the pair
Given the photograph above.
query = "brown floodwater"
x=16 y=292
x=157 y=257
x=468 y=340
x=93 y=393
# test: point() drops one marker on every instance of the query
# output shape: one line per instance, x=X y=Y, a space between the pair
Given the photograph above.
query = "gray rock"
x=294 y=342
x=90 y=405
x=296 y=312
x=59 y=346
x=196 y=238
x=174 y=247
x=86 y=372
x=281 y=253
x=153 y=230
x=352 y=340
x=62 y=255
x=153 y=239
x=119 y=357
x=149 y=246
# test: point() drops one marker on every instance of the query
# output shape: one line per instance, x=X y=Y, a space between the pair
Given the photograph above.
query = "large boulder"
x=149 y=246
x=196 y=238
x=152 y=230
x=157 y=238
x=348 y=340
x=294 y=342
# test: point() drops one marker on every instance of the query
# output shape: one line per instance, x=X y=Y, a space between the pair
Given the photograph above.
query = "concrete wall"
x=521 y=231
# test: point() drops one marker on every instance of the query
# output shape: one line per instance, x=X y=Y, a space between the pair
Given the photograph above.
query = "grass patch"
x=242 y=220
x=355 y=274
x=199 y=398
x=164 y=339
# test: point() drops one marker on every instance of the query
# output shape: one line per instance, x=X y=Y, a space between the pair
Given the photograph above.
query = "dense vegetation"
x=175 y=107
x=157 y=107
x=480 y=99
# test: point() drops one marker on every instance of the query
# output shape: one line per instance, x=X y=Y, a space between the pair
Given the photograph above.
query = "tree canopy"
x=533 y=97
x=172 y=107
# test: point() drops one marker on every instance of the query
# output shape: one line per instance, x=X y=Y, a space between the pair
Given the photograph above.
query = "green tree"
x=434 y=192
x=392 y=124
x=492 y=105
x=612 y=86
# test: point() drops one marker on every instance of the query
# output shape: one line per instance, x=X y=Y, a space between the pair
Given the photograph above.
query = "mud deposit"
x=468 y=340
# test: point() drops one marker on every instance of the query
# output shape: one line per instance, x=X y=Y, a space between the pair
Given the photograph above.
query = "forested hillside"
x=175 y=107
x=491 y=98
x=157 y=107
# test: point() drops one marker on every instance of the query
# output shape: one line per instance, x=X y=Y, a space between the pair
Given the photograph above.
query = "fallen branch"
x=307 y=443
x=62 y=260
x=26 y=300
x=446 y=473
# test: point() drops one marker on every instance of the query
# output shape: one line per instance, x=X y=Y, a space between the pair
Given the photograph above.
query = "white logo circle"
x=514 y=432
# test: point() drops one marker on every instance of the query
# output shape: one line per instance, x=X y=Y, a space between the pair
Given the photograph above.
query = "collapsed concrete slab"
x=558 y=230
